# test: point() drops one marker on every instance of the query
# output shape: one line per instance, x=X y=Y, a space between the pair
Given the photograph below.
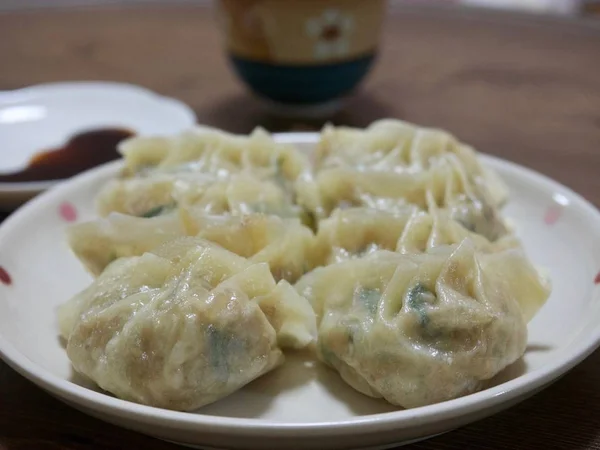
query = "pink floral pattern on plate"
x=68 y=212
x=553 y=214
x=5 y=277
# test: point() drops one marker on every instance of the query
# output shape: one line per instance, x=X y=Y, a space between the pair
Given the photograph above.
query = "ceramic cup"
x=301 y=52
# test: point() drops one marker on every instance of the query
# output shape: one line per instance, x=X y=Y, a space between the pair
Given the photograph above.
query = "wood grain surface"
x=517 y=86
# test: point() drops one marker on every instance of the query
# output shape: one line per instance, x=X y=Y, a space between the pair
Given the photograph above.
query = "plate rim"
x=44 y=89
x=421 y=416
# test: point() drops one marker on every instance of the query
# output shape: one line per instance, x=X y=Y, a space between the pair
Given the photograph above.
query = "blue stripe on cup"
x=302 y=85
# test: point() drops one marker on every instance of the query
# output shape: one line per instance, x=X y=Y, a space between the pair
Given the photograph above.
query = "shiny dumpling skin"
x=469 y=202
x=99 y=242
x=356 y=232
x=425 y=231
x=151 y=196
x=445 y=185
x=247 y=194
x=421 y=329
x=335 y=188
x=154 y=195
x=182 y=326
x=285 y=244
x=289 y=313
x=209 y=150
x=400 y=146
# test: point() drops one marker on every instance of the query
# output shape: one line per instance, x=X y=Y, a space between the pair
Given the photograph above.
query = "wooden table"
x=522 y=87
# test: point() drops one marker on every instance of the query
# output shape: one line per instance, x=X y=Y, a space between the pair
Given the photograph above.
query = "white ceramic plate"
x=302 y=405
x=45 y=116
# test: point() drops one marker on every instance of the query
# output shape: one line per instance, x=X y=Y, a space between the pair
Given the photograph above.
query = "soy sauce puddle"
x=81 y=152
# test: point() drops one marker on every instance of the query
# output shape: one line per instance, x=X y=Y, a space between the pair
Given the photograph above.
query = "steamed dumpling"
x=421 y=329
x=394 y=145
x=445 y=185
x=183 y=326
x=285 y=244
x=209 y=169
x=99 y=242
x=209 y=150
x=356 y=232
x=160 y=193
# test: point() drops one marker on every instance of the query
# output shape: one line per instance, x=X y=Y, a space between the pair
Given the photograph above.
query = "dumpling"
x=394 y=145
x=424 y=328
x=208 y=168
x=183 y=326
x=209 y=150
x=160 y=193
x=156 y=195
x=142 y=197
x=427 y=230
x=99 y=242
x=444 y=185
x=356 y=232
x=285 y=244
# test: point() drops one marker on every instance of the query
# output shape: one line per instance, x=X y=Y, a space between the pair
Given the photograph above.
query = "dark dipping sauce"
x=81 y=152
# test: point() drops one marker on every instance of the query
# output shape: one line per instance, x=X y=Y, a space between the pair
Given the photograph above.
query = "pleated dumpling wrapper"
x=445 y=185
x=219 y=171
x=424 y=328
x=395 y=145
x=183 y=326
x=160 y=193
x=210 y=150
x=285 y=244
x=355 y=232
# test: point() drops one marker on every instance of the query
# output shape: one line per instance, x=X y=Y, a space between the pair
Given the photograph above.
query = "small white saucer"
x=45 y=116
